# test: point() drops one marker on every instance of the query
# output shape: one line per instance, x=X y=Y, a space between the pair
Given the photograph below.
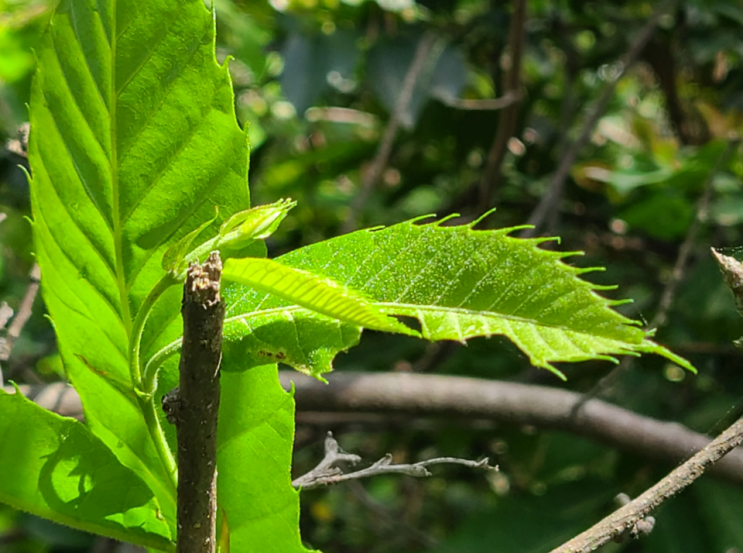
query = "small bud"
x=732 y=271
x=253 y=224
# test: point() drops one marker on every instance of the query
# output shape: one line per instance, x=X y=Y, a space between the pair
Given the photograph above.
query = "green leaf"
x=459 y=283
x=256 y=223
x=310 y=291
x=256 y=433
x=133 y=143
x=54 y=467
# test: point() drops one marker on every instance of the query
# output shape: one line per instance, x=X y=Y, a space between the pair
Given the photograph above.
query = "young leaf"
x=313 y=292
x=237 y=232
x=459 y=283
x=54 y=467
x=256 y=223
x=133 y=143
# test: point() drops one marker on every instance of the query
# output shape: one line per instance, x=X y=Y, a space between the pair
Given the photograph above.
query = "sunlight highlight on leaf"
x=312 y=292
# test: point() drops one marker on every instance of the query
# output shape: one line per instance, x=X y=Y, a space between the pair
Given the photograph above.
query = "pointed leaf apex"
x=482 y=217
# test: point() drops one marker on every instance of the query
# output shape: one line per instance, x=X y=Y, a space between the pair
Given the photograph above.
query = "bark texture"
x=193 y=408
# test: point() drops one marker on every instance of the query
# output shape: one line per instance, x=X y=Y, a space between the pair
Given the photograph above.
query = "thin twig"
x=20 y=320
x=328 y=471
x=631 y=514
x=194 y=405
x=6 y=313
x=628 y=516
x=509 y=117
x=381 y=158
x=392 y=395
x=551 y=198
x=666 y=298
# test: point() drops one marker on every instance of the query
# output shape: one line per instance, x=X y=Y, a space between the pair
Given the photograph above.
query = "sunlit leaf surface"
x=54 y=467
x=134 y=142
x=459 y=283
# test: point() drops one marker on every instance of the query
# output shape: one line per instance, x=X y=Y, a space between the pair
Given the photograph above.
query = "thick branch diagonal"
x=415 y=395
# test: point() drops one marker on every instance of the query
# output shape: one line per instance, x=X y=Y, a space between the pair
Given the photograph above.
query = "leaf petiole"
x=138 y=327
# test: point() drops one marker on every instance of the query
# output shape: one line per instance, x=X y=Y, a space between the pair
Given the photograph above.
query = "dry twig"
x=509 y=117
x=631 y=514
x=328 y=472
x=357 y=395
x=551 y=197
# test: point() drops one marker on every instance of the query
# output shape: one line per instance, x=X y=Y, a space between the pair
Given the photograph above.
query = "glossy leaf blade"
x=461 y=283
x=54 y=467
x=133 y=143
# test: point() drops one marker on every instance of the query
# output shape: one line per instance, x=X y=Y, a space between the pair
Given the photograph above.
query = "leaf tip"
x=447 y=218
x=482 y=217
x=652 y=347
x=554 y=370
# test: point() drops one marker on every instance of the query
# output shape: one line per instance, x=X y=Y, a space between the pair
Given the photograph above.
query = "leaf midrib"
x=117 y=230
x=390 y=308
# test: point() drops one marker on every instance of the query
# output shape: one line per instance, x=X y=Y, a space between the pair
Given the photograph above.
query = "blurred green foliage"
x=317 y=81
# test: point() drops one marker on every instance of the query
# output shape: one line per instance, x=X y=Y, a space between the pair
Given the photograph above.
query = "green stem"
x=147 y=406
x=156 y=361
x=144 y=396
x=138 y=328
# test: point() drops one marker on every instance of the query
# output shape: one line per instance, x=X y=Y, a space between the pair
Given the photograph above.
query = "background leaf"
x=54 y=467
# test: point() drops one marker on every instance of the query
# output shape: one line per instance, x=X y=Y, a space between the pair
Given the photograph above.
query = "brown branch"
x=660 y=57
x=381 y=158
x=509 y=117
x=6 y=313
x=21 y=318
x=551 y=198
x=521 y=404
x=416 y=395
x=194 y=405
x=628 y=516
